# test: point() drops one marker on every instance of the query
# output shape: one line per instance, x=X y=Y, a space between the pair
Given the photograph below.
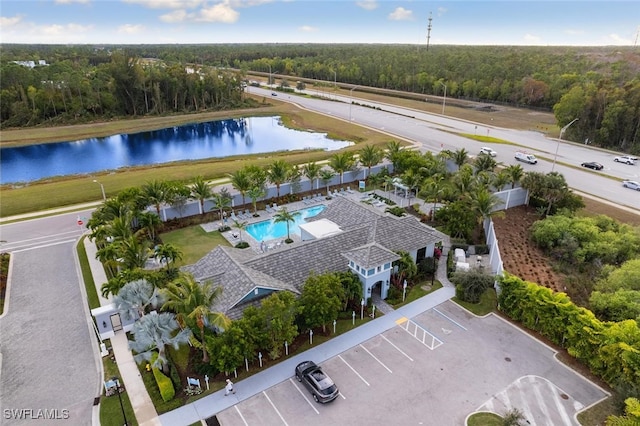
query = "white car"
x=632 y=184
x=626 y=159
x=488 y=151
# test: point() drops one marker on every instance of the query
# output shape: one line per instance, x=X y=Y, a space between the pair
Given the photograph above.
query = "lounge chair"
x=247 y=214
x=379 y=203
x=305 y=200
x=275 y=207
x=233 y=216
x=349 y=190
x=268 y=209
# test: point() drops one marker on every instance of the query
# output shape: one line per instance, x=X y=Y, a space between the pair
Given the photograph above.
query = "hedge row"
x=167 y=391
x=610 y=349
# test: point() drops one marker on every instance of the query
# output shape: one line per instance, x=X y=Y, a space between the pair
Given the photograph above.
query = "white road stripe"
x=399 y=350
x=44 y=245
x=303 y=395
x=240 y=414
x=451 y=319
x=352 y=369
x=274 y=407
x=374 y=357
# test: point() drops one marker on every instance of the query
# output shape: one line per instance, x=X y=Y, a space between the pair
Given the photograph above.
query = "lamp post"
x=117 y=380
x=351 y=103
x=104 y=197
x=564 y=129
x=444 y=99
x=269 y=75
x=335 y=85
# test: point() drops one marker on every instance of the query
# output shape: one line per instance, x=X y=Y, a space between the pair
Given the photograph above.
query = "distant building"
x=32 y=64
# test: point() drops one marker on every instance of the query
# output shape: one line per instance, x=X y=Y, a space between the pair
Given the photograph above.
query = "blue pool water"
x=269 y=230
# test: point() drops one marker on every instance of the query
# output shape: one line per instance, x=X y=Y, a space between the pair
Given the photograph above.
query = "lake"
x=214 y=139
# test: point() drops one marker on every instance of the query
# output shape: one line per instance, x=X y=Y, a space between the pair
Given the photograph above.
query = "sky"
x=472 y=22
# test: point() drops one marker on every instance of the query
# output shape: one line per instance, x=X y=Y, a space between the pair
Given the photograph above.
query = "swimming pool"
x=269 y=230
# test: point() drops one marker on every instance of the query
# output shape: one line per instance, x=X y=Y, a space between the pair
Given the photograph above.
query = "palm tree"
x=513 y=417
x=192 y=300
x=278 y=174
x=460 y=157
x=483 y=204
x=555 y=189
x=501 y=179
x=312 y=172
x=433 y=189
x=325 y=176
x=222 y=200
x=283 y=215
x=393 y=150
x=515 y=172
x=154 y=332
x=255 y=193
x=370 y=156
x=134 y=298
x=484 y=163
x=150 y=222
x=167 y=253
x=132 y=252
x=241 y=226
x=342 y=162
x=412 y=181
x=388 y=182
x=241 y=181
x=201 y=190
x=156 y=193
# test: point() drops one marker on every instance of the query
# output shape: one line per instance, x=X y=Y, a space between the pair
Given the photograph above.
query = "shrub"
x=427 y=267
x=482 y=249
x=224 y=228
x=396 y=211
x=242 y=245
x=167 y=391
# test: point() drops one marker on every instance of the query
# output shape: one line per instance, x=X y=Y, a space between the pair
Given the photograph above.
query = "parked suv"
x=488 y=151
x=316 y=381
x=626 y=159
x=526 y=158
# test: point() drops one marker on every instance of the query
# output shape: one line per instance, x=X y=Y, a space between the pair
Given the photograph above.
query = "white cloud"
x=72 y=1
x=131 y=29
x=176 y=16
x=62 y=30
x=8 y=22
x=308 y=29
x=574 y=32
x=221 y=12
x=167 y=4
x=442 y=11
x=401 y=14
x=532 y=39
x=618 y=40
x=368 y=4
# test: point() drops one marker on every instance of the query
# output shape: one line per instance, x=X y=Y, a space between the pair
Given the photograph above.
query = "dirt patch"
x=520 y=256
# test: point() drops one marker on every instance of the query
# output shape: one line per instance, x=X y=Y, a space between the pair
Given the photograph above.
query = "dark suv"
x=319 y=384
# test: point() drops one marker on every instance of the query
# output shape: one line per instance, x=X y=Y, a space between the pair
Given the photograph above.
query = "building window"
x=351 y=263
x=371 y=271
x=387 y=266
x=357 y=268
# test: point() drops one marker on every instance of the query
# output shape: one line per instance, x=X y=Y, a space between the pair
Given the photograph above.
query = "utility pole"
x=429 y=31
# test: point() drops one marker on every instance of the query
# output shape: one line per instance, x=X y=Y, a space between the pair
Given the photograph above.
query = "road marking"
x=402 y=320
x=240 y=414
x=352 y=369
x=399 y=350
x=44 y=245
x=274 y=407
x=425 y=333
x=374 y=357
x=340 y=393
x=304 y=396
x=451 y=319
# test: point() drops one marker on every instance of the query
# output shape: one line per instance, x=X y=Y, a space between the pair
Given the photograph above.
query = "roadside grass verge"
x=87 y=276
x=110 y=410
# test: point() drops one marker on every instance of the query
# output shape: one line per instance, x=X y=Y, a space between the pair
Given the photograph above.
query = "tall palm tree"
x=370 y=155
x=515 y=172
x=325 y=176
x=255 y=194
x=155 y=332
x=222 y=199
x=149 y=222
x=501 y=179
x=201 y=190
x=483 y=204
x=412 y=181
x=278 y=174
x=191 y=300
x=485 y=163
x=460 y=157
x=134 y=298
x=241 y=181
x=554 y=190
x=433 y=189
x=132 y=252
x=156 y=193
x=393 y=150
x=240 y=226
x=167 y=254
x=312 y=172
x=342 y=162
x=283 y=215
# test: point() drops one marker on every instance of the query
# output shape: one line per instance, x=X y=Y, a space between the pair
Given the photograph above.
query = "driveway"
x=48 y=352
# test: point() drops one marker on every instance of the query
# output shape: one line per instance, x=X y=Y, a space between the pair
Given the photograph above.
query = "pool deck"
x=255 y=245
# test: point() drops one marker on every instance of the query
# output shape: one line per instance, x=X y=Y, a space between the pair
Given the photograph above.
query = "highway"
x=434 y=132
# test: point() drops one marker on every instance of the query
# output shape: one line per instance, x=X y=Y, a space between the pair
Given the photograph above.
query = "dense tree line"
x=598 y=85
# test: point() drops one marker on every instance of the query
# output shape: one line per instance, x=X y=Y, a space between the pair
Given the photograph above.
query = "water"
x=269 y=230
x=217 y=139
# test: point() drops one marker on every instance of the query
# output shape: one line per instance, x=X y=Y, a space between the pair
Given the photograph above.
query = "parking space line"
x=402 y=320
x=374 y=357
x=274 y=407
x=352 y=369
x=303 y=395
x=240 y=414
x=399 y=350
x=451 y=319
x=425 y=332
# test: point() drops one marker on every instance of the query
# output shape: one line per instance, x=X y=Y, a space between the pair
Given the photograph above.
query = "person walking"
x=229 y=388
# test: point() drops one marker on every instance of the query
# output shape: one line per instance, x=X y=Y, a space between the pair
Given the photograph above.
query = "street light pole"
x=335 y=78
x=444 y=100
x=351 y=97
x=104 y=197
x=117 y=380
x=269 y=75
x=564 y=129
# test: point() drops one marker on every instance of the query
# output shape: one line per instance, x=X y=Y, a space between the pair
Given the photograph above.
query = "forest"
x=600 y=86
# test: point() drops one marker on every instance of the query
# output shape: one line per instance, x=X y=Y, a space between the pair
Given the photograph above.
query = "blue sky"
x=541 y=23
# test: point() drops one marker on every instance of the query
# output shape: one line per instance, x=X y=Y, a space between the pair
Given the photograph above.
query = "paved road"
x=434 y=132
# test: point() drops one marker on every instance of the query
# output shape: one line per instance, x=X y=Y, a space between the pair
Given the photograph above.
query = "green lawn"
x=488 y=303
x=110 y=410
x=87 y=276
x=194 y=243
x=485 y=419
x=417 y=291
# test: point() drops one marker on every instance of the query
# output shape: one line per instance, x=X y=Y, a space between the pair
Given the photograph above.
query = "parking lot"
x=432 y=369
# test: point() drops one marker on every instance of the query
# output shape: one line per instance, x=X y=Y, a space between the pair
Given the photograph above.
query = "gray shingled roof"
x=369 y=238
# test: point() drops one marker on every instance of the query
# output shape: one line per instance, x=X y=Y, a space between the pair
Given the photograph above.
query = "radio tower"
x=429 y=30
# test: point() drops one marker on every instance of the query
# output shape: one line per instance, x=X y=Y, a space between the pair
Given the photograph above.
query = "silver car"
x=632 y=184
